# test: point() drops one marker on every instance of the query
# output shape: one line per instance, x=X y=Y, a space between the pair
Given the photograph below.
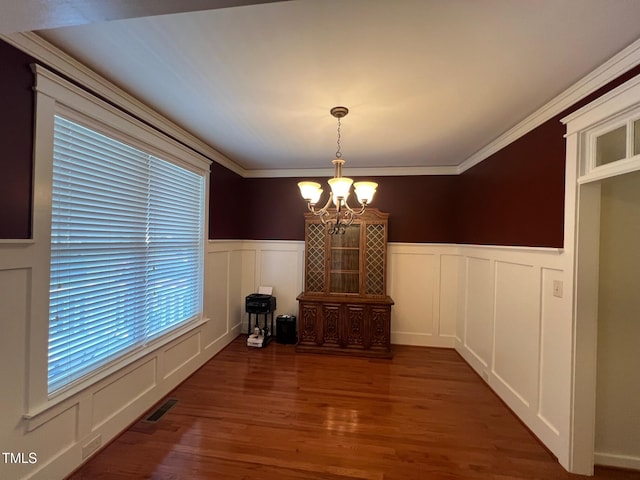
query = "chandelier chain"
x=338 y=153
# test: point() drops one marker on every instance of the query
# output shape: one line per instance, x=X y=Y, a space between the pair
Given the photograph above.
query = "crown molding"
x=620 y=63
x=613 y=102
x=64 y=64
x=352 y=172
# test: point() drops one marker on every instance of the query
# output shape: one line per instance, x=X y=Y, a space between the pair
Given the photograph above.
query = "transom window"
x=612 y=148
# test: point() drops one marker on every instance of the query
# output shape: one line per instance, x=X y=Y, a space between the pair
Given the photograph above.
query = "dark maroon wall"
x=275 y=209
x=516 y=197
x=227 y=204
x=16 y=134
x=421 y=208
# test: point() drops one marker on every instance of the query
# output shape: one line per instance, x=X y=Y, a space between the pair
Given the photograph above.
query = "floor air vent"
x=162 y=409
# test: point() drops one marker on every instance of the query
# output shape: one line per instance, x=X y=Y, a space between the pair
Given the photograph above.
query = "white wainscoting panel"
x=235 y=306
x=179 y=354
x=216 y=299
x=122 y=391
x=247 y=283
x=52 y=440
x=517 y=330
x=478 y=337
x=452 y=275
x=412 y=288
x=280 y=268
x=422 y=280
x=14 y=293
x=555 y=358
x=517 y=335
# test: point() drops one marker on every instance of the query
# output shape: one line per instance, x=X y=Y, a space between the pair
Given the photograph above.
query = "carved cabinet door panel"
x=356 y=326
x=310 y=329
x=331 y=325
x=380 y=319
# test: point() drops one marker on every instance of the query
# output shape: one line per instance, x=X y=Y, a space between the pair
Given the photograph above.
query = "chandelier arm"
x=326 y=205
x=347 y=207
x=361 y=211
x=323 y=212
x=320 y=211
x=324 y=216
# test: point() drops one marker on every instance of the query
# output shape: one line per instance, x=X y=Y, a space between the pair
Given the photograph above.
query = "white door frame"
x=582 y=238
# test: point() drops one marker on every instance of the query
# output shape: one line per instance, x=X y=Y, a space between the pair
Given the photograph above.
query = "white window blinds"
x=126 y=251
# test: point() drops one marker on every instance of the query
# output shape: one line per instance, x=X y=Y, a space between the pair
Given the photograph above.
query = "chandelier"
x=338 y=220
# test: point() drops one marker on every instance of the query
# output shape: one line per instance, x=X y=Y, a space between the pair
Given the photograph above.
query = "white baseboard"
x=422 y=340
x=615 y=460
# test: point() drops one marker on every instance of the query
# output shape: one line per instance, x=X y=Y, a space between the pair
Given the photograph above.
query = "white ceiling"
x=427 y=82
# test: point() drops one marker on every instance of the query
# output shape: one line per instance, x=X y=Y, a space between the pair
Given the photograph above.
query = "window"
x=119 y=232
x=126 y=250
x=611 y=146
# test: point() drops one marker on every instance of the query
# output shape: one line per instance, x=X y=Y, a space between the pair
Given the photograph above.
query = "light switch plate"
x=557 y=288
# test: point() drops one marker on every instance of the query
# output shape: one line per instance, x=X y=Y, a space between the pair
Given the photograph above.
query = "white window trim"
x=55 y=95
x=589 y=171
x=617 y=108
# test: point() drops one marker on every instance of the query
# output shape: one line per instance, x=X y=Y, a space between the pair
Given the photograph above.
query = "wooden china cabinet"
x=345 y=308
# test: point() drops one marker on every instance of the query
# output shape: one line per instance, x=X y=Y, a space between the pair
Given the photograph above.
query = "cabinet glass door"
x=344 y=261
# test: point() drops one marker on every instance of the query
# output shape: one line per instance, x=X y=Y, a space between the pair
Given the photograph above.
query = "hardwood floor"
x=274 y=414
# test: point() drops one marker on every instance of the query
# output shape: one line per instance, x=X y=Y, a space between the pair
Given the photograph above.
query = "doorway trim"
x=583 y=179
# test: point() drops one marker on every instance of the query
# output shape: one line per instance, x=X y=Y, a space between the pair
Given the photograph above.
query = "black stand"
x=268 y=331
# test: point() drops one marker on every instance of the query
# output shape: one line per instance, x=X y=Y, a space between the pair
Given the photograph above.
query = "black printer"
x=260 y=303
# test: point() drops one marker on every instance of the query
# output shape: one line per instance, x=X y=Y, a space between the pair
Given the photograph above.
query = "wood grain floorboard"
x=272 y=414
